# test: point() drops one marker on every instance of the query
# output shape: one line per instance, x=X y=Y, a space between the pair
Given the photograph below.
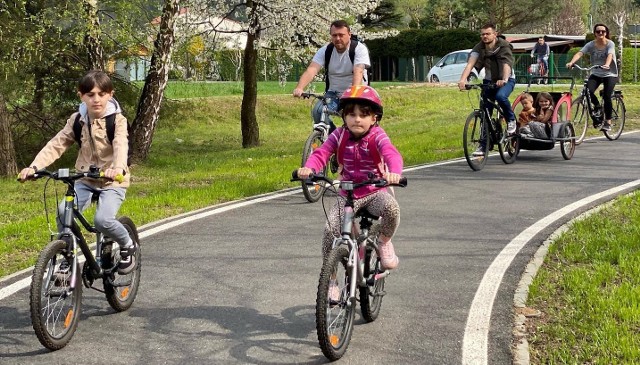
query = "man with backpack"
x=345 y=61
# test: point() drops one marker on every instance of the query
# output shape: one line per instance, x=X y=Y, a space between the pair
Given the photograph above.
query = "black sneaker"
x=61 y=276
x=127 y=259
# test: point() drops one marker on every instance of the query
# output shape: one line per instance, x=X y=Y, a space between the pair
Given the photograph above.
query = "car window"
x=449 y=60
x=462 y=57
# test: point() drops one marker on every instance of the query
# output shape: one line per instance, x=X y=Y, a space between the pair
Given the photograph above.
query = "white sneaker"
x=479 y=152
x=511 y=127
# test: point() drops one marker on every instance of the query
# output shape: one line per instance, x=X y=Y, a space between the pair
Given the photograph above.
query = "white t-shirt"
x=340 y=66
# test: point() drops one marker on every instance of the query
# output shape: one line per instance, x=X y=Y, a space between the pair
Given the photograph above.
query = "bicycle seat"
x=363 y=213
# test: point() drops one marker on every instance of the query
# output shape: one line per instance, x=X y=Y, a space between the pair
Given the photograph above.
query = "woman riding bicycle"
x=601 y=53
x=363 y=148
x=96 y=92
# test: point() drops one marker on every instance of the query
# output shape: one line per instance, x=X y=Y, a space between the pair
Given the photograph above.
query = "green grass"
x=589 y=291
x=588 y=288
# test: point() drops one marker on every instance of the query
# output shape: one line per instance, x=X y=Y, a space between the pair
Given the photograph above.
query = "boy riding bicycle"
x=95 y=90
x=363 y=148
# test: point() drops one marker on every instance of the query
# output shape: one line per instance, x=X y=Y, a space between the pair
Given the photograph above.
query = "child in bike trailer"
x=527 y=114
x=362 y=147
x=95 y=90
x=540 y=126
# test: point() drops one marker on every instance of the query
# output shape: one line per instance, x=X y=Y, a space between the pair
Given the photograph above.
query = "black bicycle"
x=583 y=109
x=56 y=284
x=318 y=136
x=482 y=131
x=352 y=265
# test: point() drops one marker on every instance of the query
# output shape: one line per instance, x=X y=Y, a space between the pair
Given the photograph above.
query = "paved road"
x=237 y=286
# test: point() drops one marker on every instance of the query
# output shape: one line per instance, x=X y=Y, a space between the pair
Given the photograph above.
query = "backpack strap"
x=327 y=57
x=77 y=129
x=111 y=126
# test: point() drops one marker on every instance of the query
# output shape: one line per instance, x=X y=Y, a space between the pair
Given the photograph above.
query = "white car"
x=450 y=67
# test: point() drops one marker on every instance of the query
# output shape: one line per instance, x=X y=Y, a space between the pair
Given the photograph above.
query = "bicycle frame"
x=72 y=234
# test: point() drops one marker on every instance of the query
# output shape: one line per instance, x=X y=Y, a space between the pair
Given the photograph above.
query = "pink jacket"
x=357 y=158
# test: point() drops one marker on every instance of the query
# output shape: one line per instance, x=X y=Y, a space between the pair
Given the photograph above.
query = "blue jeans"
x=316 y=112
x=501 y=96
x=105 y=218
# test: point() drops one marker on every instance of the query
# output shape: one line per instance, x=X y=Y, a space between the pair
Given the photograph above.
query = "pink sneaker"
x=334 y=292
x=387 y=254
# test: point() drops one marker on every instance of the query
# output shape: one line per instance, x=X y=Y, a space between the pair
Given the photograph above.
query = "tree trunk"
x=92 y=38
x=145 y=123
x=8 y=165
x=248 y=122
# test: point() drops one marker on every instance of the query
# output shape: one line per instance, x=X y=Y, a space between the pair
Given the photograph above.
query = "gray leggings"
x=108 y=205
x=380 y=204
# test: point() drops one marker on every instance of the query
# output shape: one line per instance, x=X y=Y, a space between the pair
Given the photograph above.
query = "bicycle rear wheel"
x=567 y=148
x=617 y=120
x=121 y=290
x=509 y=145
x=334 y=318
x=55 y=296
x=580 y=118
x=371 y=295
x=313 y=192
x=474 y=132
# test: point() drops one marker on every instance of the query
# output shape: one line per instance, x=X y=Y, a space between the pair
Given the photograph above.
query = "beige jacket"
x=96 y=149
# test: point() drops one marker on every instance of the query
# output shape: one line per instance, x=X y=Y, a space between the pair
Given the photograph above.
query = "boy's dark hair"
x=95 y=78
x=340 y=24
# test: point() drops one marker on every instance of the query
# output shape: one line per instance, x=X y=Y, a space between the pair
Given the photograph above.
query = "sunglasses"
x=601 y=32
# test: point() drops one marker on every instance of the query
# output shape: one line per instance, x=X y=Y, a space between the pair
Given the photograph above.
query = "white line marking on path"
x=476 y=334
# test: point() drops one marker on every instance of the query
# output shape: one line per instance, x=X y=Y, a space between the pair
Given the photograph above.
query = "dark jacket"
x=494 y=60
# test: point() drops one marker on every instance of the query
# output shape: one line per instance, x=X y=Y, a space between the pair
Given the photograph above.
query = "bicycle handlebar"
x=66 y=176
x=348 y=185
x=481 y=86
x=312 y=95
x=586 y=68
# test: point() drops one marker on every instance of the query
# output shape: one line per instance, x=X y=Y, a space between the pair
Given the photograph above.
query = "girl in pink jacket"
x=362 y=147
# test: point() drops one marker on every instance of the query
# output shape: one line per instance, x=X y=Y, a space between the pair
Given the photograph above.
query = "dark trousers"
x=609 y=84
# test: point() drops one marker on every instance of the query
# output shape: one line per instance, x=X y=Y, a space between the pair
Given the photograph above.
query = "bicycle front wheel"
x=121 y=290
x=371 y=295
x=55 y=296
x=474 y=141
x=509 y=145
x=313 y=192
x=335 y=311
x=580 y=118
x=617 y=120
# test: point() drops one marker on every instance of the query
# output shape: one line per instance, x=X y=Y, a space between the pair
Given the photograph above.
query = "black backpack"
x=111 y=131
x=327 y=57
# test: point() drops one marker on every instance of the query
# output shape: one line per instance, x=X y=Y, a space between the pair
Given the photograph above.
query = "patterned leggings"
x=380 y=203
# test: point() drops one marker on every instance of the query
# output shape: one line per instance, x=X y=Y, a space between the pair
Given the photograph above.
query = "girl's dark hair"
x=606 y=34
x=365 y=109
x=95 y=78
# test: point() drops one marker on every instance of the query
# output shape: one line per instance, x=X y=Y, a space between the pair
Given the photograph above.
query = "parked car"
x=450 y=67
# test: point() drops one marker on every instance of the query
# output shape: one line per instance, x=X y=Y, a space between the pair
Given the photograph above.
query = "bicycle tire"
x=313 y=192
x=617 y=122
x=567 y=148
x=474 y=129
x=580 y=118
x=509 y=147
x=334 y=321
x=121 y=290
x=371 y=296
x=55 y=310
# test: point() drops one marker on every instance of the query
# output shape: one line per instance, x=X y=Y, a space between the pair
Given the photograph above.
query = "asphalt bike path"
x=236 y=284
